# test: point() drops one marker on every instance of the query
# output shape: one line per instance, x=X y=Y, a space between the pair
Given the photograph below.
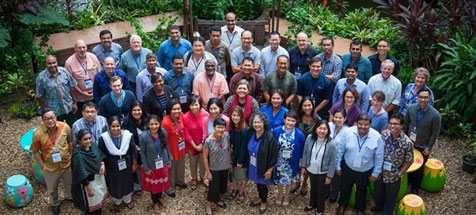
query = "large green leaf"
x=45 y=16
x=4 y=37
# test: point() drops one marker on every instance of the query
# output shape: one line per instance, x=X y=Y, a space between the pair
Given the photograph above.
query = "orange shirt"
x=173 y=136
x=43 y=143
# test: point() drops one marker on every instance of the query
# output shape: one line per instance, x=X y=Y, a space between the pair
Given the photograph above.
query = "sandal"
x=279 y=200
x=156 y=209
x=286 y=201
x=130 y=205
x=193 y=184
x=233 y=195
x=241 y=198
x=211 y=212
x=162 y=202
x=254 y=204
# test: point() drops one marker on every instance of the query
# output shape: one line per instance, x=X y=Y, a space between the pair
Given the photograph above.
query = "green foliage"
x=45 y=16
x=14 y=110
x=405 y=74
x=211 y=9
x=456 y=78
x=153 y=39
x=451 y=124
x=242 y=8
x=4 y=37
x=90 y=17
x=29 y=109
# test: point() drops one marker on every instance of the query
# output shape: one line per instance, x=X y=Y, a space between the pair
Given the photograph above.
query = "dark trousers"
x=133 y=87
x=319 y=191
x=96 y=212
x=386 y=195
x=262 y=192
x=335 y=187
x=217 y=185
x=68 y=118
x=416 y=177
x=361 y=180
x=155 y=197
x=79 y=112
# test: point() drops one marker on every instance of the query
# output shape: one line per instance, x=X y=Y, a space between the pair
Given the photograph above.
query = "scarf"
x=86 y=163
x=248 y=106
x=126 y=139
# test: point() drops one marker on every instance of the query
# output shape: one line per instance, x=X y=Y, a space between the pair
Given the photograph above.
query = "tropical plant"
x=14 y=110
x=456 y=79
x=449 y=125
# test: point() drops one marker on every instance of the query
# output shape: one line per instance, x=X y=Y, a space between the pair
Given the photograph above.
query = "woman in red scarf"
x=243 y=99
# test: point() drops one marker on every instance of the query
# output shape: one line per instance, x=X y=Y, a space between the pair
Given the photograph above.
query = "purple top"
x=352 y=114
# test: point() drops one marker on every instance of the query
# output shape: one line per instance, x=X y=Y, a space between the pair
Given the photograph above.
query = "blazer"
x=329 y=158
x=151 y=102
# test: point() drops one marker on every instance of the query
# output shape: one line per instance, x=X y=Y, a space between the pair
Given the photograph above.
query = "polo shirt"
x=232 y=39
x=115 y=52
x=102 y=87
x=207 y=89
x=287 y=83
x=238 y=54
x=320 y=89
x=167 y=50
x=144 y=81
x=333 y=65
x=300 y=61
x=132 y=64
x=360 y=86
x=81 y=73
x=222 y=54
x=182 y=83
x=197 y=66
x=56 y=90
x=376 y=63
x=269 y=59
x=392 y=88
x=363 y=64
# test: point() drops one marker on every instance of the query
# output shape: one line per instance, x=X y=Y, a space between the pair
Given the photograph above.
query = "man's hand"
x=372 y=178
x=328 y=181
x=427 y=152
x=339 y=172
x=75 y=107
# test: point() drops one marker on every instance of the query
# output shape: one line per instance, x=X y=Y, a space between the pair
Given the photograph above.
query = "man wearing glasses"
x=245 y=50
x=91 y=121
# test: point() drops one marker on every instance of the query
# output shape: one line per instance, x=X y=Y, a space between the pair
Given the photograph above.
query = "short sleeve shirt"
x=222 y=53
x=115 y=52
x=132 y=64
x=287 y=84
x=207 y=88
x=233 y=40
x=184 y=83
x=218 y=155
x=392 y=88
x=82 y=72
x=238 y=54
x=398 y=152
x=56 y=90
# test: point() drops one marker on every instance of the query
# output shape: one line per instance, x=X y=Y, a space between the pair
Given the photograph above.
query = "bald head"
x=80 y=49
x=109 y=66
x=301 y=40
x=51 y=64
x=230 y=20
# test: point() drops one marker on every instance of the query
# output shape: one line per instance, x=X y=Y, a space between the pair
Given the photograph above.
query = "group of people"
x=274 y=117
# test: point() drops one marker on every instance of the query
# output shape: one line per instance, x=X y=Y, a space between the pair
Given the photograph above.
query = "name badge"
x=357 y=161
x=253 y=160
x=56 y=156
x=88 y=83
x=181 y=145
x=121 y=164
x=183 y=98
x=387 y=165
x=159 y=163
x=297 y=74
x=287 y=153
x=413 y=134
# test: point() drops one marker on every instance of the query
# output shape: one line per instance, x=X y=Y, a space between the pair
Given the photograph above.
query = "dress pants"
x=52 y=181
x=361 y=180
x=319 y=191
x=386 y=195
x=217 y=185
x=177 y=173
x=416 y=177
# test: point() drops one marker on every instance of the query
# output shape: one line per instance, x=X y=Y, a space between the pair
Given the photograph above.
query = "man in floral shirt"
x=398 y=156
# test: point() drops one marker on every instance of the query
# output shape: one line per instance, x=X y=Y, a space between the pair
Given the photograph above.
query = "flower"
x=22 y=191
x=11 y=191
x=10 y=199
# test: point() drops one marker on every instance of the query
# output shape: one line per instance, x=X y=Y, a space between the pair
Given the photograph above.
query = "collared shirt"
x=238 y=54
x=101 y=84
x=427 y=127
x=255 y=81
x=115 y=52
x=83 y=73
x=319 y=89
x=333 y=65
x=132 y=64
x=46 y=144
x=144 y=81
x=363 y=64
x=397 y=152
x=370 y=148
x=207 y=88
x=222 y=54
x=96 y=128
x=274 y=120
x=269 y=59
x=301 y=62
x=409 y=97
x=167 y=50
x=392 y=88
x=56 y=90
x=182 y=83
x=232 y=39
x=360 y=86
x=287 y=83
x=197 y=66
x=376 y=63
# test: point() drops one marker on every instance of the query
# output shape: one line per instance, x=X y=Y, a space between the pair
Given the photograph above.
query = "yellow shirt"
x=43 y=143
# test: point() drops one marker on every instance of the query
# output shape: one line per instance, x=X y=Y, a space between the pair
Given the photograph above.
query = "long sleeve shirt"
x=360 y=86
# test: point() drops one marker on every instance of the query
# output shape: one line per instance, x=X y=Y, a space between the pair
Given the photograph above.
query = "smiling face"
x=195 y=107
x=315 y=69
x=210 y=68
x=137 y=112
x=151 y=63
x=282 y=63
x=106 y=40
x=80 y=49
x=154 y=126
x=274 y=41
x=246 y=39
x=338 y=119
x=258 y=124
x=363 y=126
x=351 y=74
x=176 y=110
x=136 y=43
x=178 y=65
x=395 y=127
x=349 y=98
x=109 y=66
x=219 y=130
x=198 y=47
x=382 y=48
x=276 y=100
x=51 y=64
x=49 y=119
x=301 y=41
x=247 y=67
x=242 y=91
x=424 y=99
x=116 y=87
x=86 y=141
x=235 y=117
x=307 y=107
x=376 y=104
x=159 y=84
x=115 y=128
x=174 y=35
x=214 y=111
x=289 y=123
x=420 y=80
x=230 y=21
x=322 y=131
x=89 y=113
x=387 y=70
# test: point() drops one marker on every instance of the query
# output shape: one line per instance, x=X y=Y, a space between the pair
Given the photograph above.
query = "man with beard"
x=143 y=79
x=210 y=84
x=133 y=60
x=83 y=66
x=107 y=48
x=101 y=80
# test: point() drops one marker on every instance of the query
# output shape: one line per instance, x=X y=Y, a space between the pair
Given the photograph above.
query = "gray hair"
x=134 y=36
x=389 y=62
x=302 y=34
x=262 y=116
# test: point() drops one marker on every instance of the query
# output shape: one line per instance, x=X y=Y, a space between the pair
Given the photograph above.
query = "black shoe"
x=55 y=210
x=222 y=205
x=332 y=199
x=171 y=194
x=376 y=210
x=303 y=193
x=307 y=208
x=183 y=186
x=294 y=189
x=415 y=191
x=69 y=200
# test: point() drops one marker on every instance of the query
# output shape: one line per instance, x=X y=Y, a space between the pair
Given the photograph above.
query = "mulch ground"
x=458 y=196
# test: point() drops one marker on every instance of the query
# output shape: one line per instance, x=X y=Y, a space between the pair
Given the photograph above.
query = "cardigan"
x=328 y=162
x=194 y=129
x=267 y=152
x=239 y=142
x=151 y=101
x=428 y=129
x=107 y=108
x=173 y=136
x=298 y=147
x=206 y=119
x=148 y=151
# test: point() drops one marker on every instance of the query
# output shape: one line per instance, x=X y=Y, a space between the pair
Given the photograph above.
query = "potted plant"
x=469 y=159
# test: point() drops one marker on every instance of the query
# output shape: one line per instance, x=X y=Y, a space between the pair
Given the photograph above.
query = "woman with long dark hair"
x=239 y=141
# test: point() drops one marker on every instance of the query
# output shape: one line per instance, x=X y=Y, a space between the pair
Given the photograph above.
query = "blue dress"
x=290 y=146
x=253 y=147
x=276 y=120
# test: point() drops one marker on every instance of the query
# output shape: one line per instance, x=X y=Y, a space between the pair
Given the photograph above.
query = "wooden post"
x=185 y=23
x=278 y=15
x=272 y=16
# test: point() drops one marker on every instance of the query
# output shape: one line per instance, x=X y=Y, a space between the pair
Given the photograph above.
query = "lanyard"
x=119 y=105
x=156 y=143
x=336 y=132
x=319 y=150
x=53 y=141
x=199 y=62
x=358 y=141
x=299 y=58
x=313 y=88
x=137 y=61
x=117 y=142
x=91 y=130
x=84 y=68
x=179 y=128
x=213 y=83
x=216 y=53
x=232 y=38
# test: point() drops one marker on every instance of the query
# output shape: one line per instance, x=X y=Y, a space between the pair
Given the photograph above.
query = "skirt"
x=89 y=204
x=156 y=182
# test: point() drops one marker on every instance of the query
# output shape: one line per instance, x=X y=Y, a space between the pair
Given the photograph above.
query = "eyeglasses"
x=49 y=119
x=423 y=97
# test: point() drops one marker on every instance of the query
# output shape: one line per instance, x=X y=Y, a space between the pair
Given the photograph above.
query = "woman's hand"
x=102 y=170
x=89 y=191
x=328 y=181
x=148 y=172
x=239 y=165
x=267 y=175
x=209 y=176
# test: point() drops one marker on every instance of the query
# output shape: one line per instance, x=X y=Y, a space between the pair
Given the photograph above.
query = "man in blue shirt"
x=352 y=81
x=133 y=60
x=171 y=47
x=362 y=153
x=376 y=60
x=317 y=86
x=180 y=80
x=355 y=57
x=144 y=78
x=269 y=54
x=331 y=63
x=107 y=48
x=245 y=50
x=101 y=80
